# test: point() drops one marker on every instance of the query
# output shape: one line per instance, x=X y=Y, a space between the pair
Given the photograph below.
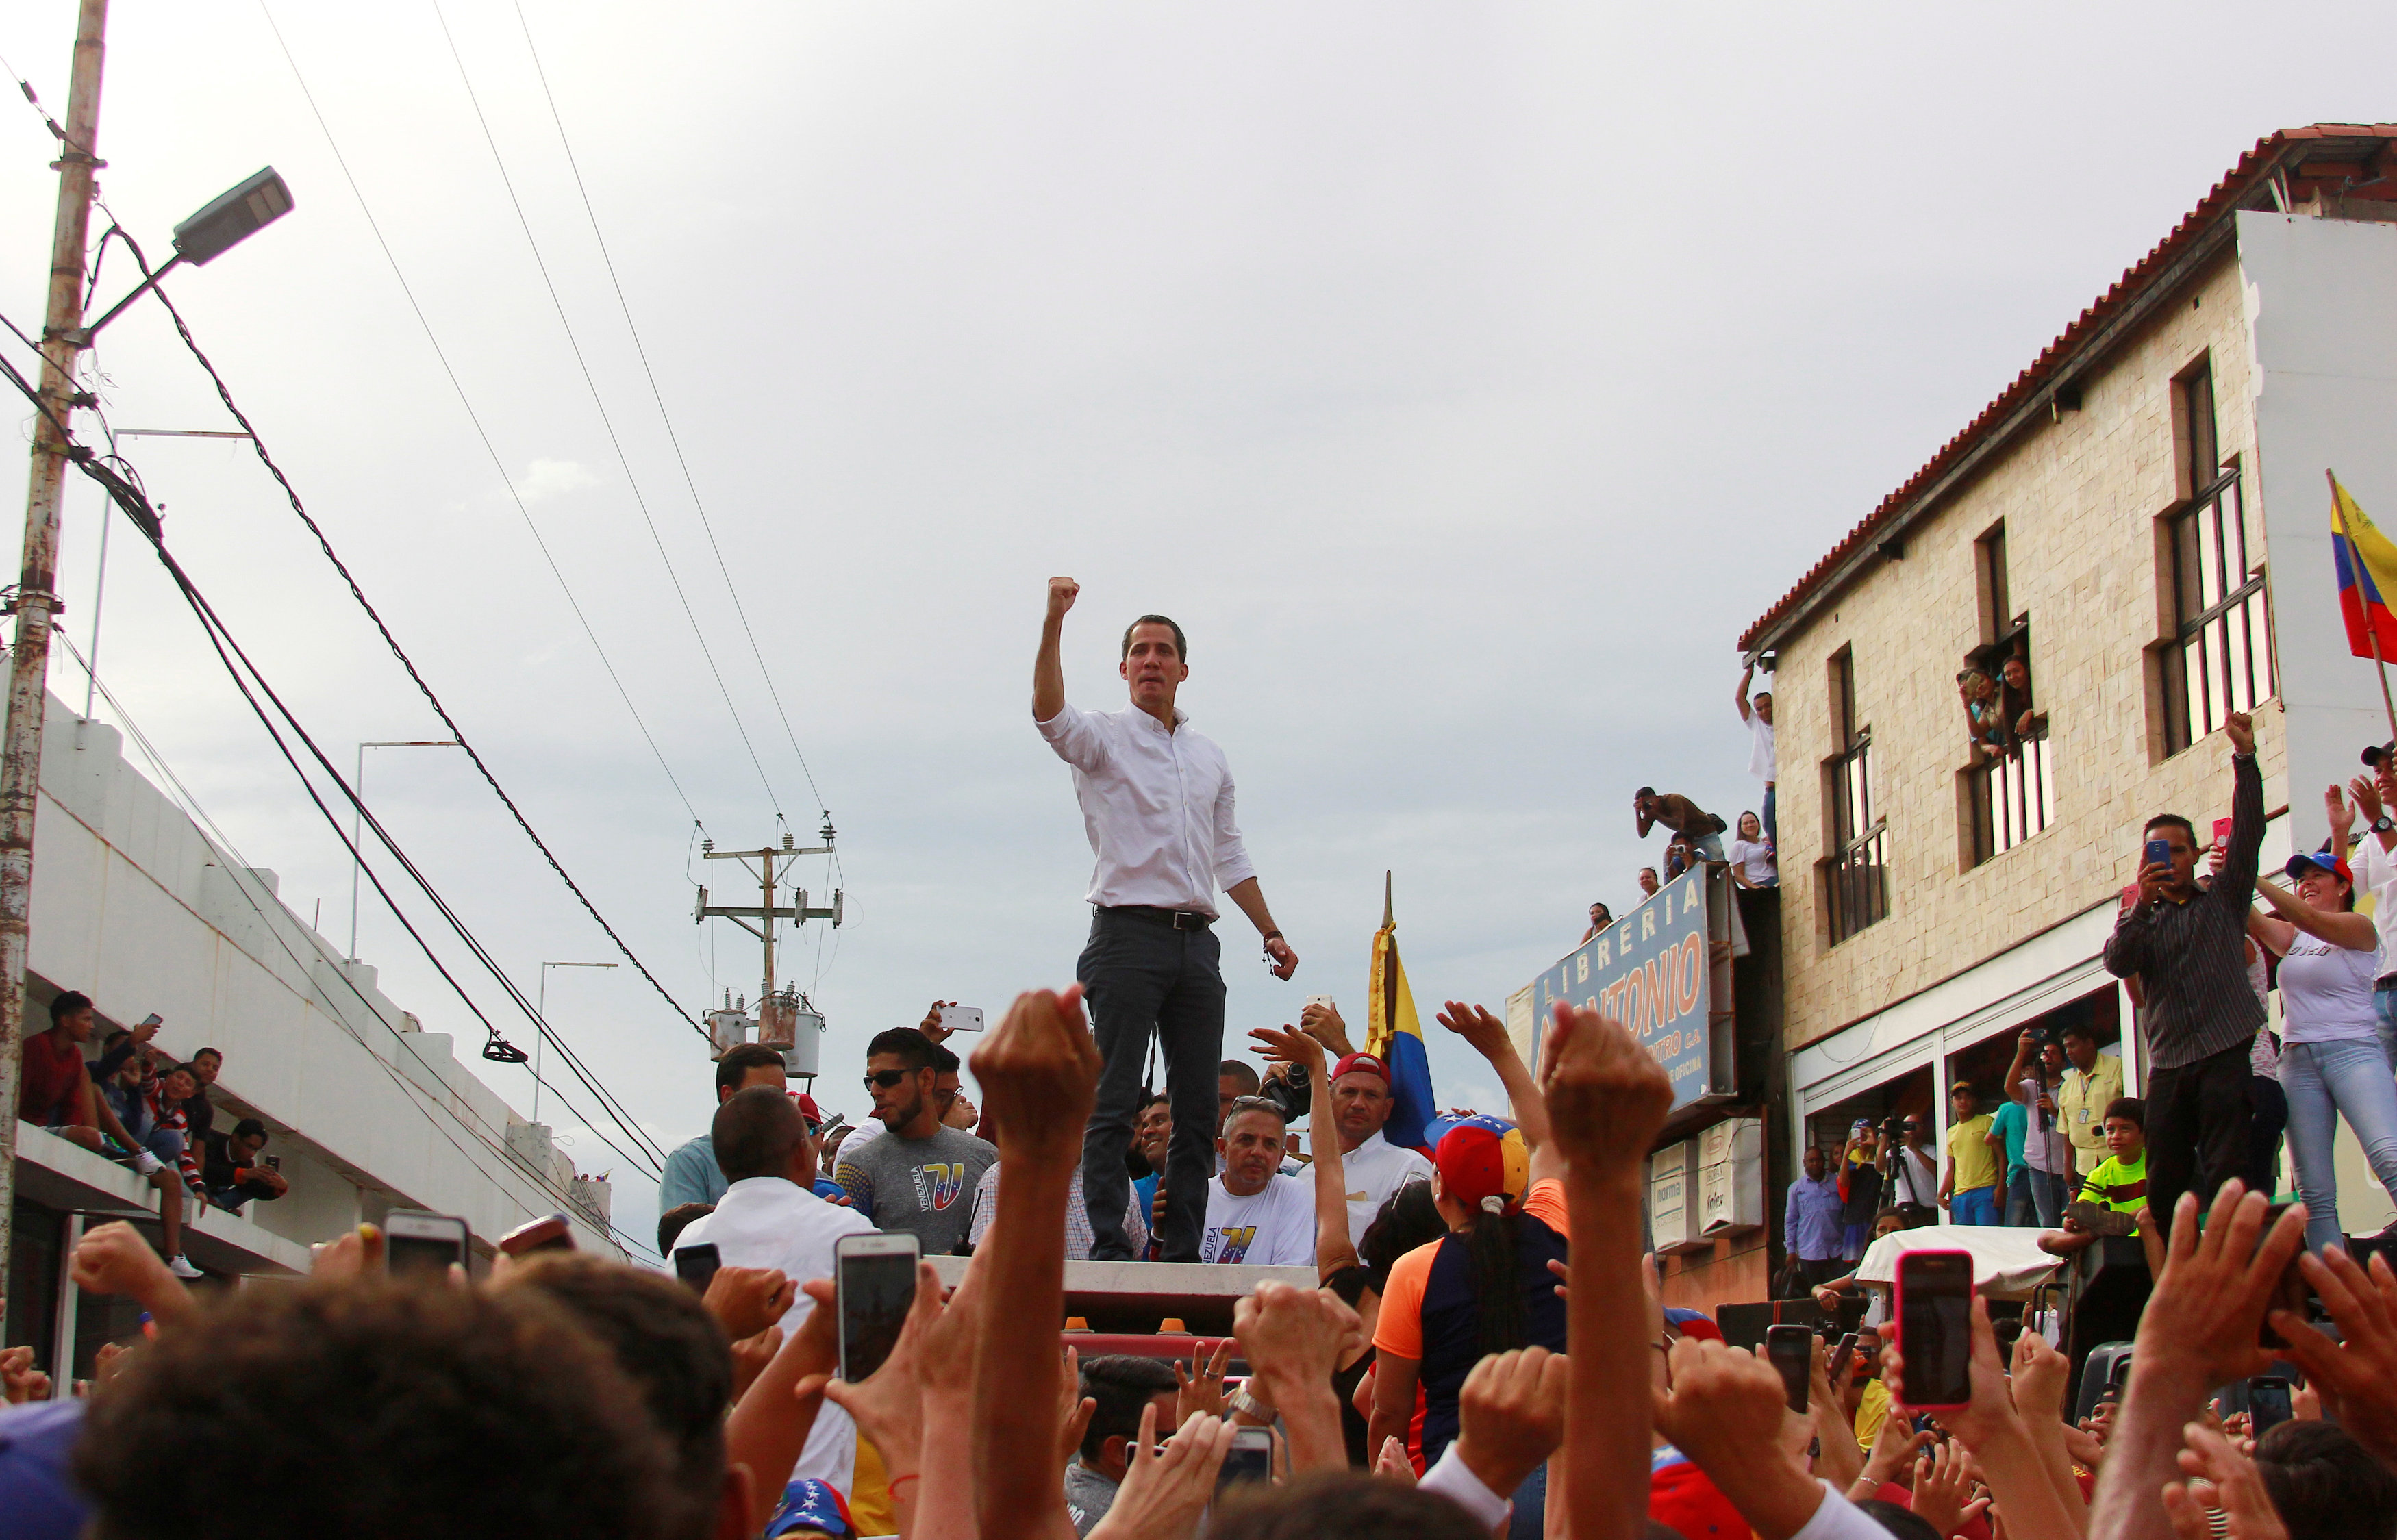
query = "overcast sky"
x=1463 y=379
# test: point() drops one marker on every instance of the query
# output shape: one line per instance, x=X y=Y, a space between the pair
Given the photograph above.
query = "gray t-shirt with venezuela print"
x=925 y=1186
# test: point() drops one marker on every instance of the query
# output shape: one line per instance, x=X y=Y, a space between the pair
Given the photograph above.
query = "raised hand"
x=1725 y=1410
x=2335 y=807
x=1061 y=594
x=1484 y=1033
x=1039 y=1075
x=1943 y=1489
x=1284 y=1045
x=1393 y=1462
x=1511 y=1415
x=113 y=1259
x=745 y=1301
x=1073 y=1408
x=1163 y=1493
x=1199 y=1388
x=1607 y=1096
x=750 y=1357
x=2355 y=1381
x=931 y=1026
x=2366 y=793
x=2241 y=729
x=2203 y=1317
x=2237 y=1489
x=1323 y=1024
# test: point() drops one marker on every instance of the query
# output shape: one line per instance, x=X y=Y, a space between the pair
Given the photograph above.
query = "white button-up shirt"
x=2376 y=873
x=765 y=1222
x=1158 y=807
x=1373 y=1171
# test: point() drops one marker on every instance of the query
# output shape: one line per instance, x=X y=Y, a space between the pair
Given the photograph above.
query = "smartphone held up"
x=420 y=1245
x=1790 y=1349
x=873 y=1287
x=1935 y=1328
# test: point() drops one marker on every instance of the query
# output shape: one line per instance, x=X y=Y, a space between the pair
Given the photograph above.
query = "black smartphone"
x=274 y=1162
x=1841 y=1356
x=696 y=1265
x=1935 y=1328
x=1791 y=1350
x=873 y=1287
x=2269 y=1403
x=417 y=1244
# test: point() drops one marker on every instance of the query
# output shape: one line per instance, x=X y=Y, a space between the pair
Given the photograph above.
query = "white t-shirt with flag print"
x=1273 y=1229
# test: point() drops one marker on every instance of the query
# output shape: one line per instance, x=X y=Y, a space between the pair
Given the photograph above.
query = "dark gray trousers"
x=1140 y=977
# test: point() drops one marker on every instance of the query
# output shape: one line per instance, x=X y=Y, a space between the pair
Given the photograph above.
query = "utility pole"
x=21 y=742
x=773 y=1028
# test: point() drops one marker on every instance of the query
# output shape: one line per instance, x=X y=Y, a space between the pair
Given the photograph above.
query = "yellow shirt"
x=1968 y=1146
x=1871 y=1411
x=869 y=1494
x=2081 y=1104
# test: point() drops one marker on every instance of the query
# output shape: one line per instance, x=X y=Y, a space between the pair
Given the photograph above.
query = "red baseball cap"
x=1368 y=1064
x=808 y=1108
x=1485 y=1158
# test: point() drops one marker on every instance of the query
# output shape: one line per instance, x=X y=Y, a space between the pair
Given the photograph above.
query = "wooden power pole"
x=37 y=600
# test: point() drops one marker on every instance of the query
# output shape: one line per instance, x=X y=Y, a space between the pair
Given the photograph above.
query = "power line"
x=481 y=432
x=292 y=493
x=572 y=342
x=659 y=396
x=242 y=867
x=124 y=489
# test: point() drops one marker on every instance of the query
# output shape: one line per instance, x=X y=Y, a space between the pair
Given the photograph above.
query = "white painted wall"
x=136 y=908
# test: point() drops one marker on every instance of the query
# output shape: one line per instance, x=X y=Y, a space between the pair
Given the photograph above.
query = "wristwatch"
x=1249 y=1406
x=2384 y=825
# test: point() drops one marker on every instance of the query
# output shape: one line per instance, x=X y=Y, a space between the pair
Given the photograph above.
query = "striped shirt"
x=2189 y=959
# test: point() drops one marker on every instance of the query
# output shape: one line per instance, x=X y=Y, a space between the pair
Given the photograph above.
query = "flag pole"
x=2371 y=632
x=1388 y=921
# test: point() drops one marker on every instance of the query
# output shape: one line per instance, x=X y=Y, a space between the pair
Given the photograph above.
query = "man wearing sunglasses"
x=1158 y=806
x=920 y=1176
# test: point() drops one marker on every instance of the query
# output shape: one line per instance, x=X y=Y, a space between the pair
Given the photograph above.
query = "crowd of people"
x=136 y=1104
x=1494 y=1326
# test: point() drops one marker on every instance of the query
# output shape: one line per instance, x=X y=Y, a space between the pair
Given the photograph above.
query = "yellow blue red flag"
x=1395 y=1036
x=2367 y=575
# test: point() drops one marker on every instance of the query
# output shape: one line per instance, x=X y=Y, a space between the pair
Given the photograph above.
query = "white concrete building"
x=136 y=907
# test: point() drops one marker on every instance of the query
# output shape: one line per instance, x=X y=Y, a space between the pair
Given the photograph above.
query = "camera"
x=1290 y=1093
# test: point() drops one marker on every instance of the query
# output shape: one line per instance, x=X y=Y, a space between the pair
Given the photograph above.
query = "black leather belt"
x=1179 y=920
x=2386 y=981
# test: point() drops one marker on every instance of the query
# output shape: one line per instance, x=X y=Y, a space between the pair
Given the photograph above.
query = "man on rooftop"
x=1677 y=813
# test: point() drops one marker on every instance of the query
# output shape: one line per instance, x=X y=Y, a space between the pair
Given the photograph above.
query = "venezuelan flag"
x=1395 y=1034
x=2367 y=572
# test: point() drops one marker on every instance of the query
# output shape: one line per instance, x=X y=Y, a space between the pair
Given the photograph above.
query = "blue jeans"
x=2384 y=1005
x=1772 y=829
x=1979 y=1205
x=1141 y=977
x=2324 y=1083
x=2034 y=1197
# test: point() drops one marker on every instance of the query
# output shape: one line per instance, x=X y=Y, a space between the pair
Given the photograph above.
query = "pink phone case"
x=1898 y=1319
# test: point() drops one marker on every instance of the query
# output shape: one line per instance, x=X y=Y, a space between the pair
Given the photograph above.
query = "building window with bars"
x=1856 y=882
x=2009 y=782
x=2218 y=658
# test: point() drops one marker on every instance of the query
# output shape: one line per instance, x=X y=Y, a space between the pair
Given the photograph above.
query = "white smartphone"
x=417 y=1244
x=962 y=1018
x=1249 y=1461
x=873 y=1287
x=1325 y=1001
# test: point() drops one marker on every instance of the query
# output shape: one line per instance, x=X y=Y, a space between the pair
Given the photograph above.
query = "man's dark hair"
x=2129 y=1108
x=1899 y=1212
x=1153 y=1098
x=754 y=1133
x=1643 y=792
x=913 y=1047
x=374 y=1409
x=216 y=1053
x=249 y=1128
x=1180 y=643
x=2324 y=1484
x=945 y=1061
x=1904 y=1523
x=677 y=1219
x=2170 y=820
x=1343 y=1506
x=739 y=1060
x=2077 y=1029
x=1241 y=1071
x=667 y=1344
x=1121 y=1383
x=68 y=1004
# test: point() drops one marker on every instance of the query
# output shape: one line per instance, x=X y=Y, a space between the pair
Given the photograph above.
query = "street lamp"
x=541 y=1008
x=358 y=790
x=236 y=215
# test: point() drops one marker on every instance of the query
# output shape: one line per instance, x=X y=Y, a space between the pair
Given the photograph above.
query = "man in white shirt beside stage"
x=1158 y=806
x=1371 y=1167
x=770 y=1217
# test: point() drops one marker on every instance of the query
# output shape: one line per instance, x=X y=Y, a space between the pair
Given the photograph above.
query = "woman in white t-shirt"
x=2331 y=1063
x=1752 y=860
